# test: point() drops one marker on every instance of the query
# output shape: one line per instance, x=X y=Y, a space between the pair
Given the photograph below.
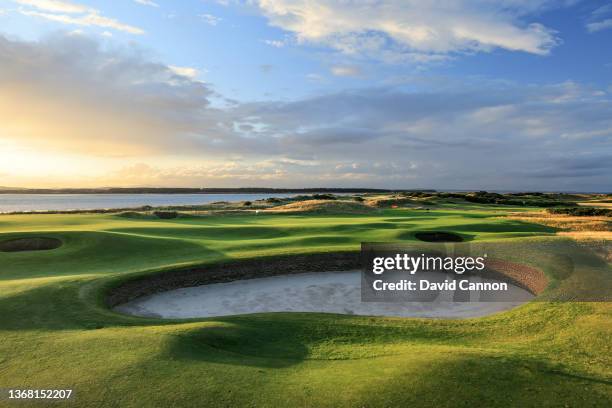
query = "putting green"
x=55 y=331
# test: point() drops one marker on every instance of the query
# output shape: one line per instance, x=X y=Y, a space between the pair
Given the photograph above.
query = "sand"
x=328 y=292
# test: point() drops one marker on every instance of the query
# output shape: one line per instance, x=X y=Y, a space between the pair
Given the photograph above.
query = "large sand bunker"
x=328 y=292
x=300 y=283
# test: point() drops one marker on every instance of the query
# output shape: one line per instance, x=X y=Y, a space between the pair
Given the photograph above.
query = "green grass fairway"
x=56 y=333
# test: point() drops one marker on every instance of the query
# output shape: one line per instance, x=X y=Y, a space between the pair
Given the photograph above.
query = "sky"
x=444 y=94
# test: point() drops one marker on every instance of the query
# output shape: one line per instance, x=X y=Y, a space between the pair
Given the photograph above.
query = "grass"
x=55 y=332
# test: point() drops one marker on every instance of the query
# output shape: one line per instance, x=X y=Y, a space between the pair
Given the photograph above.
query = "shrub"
x=582 y=211
x=166 y=215
x=324 y=197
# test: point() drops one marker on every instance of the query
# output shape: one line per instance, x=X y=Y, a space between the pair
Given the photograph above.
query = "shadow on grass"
x=501 y=226
x=284 y=339
x=478 y=379
x=209 y=232
x=238 y=345
x=57 y=306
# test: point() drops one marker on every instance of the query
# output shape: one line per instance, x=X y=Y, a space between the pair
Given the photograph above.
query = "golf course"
x=57 y=330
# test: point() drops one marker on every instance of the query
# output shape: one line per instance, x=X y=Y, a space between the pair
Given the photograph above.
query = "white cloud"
x=210 y=19
x=599 y=25
x=414 y=26
x=597 y=20
x=602 y=11
x=56 y=6
x=147 y=3
x=312 y=77
x=184 y=71
x=346 y=71
x=275 y=43
x=75 y=14
x=91 y=19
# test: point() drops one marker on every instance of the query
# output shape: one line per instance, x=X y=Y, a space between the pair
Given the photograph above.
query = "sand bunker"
x=29 y=244
x=300 y=283
x=438 y=236
x=328 y=292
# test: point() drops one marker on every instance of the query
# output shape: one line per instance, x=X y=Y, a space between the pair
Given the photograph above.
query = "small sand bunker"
x=438 y=236
x=327 y=292
x=30 y=244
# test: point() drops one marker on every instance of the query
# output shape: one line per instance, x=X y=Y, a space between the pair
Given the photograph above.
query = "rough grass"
x=323 y=207
x=54 y=331
x=594 y=232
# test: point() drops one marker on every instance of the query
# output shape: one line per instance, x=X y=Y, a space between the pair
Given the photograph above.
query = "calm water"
x=42 y=202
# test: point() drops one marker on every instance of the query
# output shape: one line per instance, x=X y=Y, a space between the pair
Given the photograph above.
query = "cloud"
x=56 y=6
x=210 y=19
x=275 y=43
x=599 y=25
x=453 y=138
x=119 y=104
x=346 y=71
x=597 y=20
x=313 y=77
x=187 y=72
x=602 y=11
x=112 y=101
x=87 y=16
x=413 y=27
x=147 y=3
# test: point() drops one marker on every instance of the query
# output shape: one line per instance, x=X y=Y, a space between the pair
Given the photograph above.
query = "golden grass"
x=598 y=204
x=322 y=206
x=592 y=232
x=566 y=223
x=391 y=200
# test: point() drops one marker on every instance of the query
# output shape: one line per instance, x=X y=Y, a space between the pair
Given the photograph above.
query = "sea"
x=66 y=202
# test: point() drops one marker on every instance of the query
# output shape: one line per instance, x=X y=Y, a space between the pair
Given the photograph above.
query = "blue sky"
x=296 y=92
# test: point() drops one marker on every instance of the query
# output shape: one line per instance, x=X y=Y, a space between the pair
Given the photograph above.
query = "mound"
x=324 y=207
x=391 y=201
x=29 y=244
x=166 y=215
x=438 y=236
x=133 y=214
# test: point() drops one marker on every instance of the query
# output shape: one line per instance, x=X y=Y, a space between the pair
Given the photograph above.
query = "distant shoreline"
x=244 y=190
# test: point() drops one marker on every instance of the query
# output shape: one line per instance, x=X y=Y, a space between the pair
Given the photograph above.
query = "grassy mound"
x=387 y=201
x=30 y=244
x=324 y=207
